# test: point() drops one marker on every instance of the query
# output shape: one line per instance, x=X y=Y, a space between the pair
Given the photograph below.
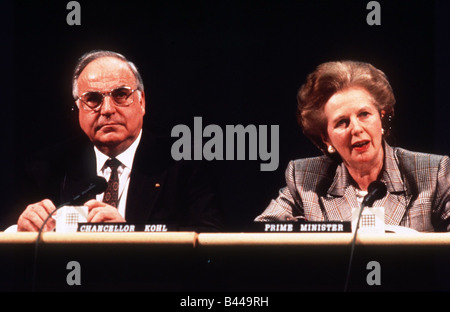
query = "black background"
x=230 y=62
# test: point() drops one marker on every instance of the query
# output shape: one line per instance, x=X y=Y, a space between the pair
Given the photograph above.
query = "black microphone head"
x=99 y=184
x=96 y=186
x=376 y=190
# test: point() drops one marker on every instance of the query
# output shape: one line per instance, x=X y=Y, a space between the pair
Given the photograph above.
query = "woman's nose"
x=356 y=127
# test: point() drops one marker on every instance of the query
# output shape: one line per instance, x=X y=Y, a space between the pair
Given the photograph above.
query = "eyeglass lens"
x=120 y=95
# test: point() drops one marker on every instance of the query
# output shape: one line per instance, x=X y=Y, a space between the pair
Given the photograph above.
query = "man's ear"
x=142 y=100
x=76 y=105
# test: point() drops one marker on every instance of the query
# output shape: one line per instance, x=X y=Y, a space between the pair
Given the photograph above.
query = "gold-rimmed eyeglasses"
x=93 y=100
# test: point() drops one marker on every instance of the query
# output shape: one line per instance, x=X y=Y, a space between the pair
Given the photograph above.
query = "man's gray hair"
x=93 y=55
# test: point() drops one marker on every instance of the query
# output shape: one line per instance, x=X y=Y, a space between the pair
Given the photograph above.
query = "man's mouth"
x=112 y=124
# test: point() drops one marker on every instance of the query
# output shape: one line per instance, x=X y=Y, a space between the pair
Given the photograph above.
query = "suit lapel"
x=339 y=198
x=394 y=207
x=148 y=178
x=142 y=196
x=80 y=169
x=337 y=208
x=397 y=199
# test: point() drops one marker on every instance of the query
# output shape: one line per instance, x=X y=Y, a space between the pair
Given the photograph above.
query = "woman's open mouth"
x=361 y=146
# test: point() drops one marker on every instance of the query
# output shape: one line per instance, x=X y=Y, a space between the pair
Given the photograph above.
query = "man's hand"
x=101 y=212
x=34 y=216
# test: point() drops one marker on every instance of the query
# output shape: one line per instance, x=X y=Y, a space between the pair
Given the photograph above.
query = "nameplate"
x=303 y=227
x=123 y=227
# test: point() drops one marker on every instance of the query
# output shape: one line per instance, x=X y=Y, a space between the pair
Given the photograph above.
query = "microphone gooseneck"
x=96 y=186
x=376 y=190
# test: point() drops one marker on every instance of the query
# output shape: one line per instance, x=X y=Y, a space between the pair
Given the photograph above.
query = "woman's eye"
x=342 y=123
x=364 y=114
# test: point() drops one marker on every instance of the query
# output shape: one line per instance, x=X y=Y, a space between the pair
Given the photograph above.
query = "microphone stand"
x=36 y=244
x=376 y=190
x=363 y=204
x=97 y=186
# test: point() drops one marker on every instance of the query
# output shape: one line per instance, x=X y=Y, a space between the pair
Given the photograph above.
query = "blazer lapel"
x=394 y=207
x=337 y=208
x=397 y=199
x=339 y=198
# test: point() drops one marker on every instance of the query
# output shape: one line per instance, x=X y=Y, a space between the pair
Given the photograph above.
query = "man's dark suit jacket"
x=161 y=190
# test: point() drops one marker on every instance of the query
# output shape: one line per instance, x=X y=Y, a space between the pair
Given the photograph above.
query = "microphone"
x=376 y=190
x=97 y=185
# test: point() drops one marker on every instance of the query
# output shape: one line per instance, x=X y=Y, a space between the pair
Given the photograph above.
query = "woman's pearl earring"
x=331 y=149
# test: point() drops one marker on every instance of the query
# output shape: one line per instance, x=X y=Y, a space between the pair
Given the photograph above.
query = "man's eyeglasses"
x=92 y=100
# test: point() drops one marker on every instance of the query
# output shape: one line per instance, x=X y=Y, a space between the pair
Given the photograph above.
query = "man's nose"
x=108 y=106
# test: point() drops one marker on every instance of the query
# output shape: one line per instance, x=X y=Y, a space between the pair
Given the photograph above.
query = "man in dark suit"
x=149 y=186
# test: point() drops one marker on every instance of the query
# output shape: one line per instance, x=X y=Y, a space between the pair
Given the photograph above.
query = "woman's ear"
x=325 y=140
x=386 y=122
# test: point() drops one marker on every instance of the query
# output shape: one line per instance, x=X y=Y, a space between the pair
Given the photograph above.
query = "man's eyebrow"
x=102 y=91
